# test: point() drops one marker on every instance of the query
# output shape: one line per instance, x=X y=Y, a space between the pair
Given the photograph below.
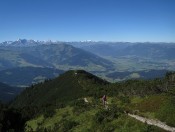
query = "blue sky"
x=77 y=20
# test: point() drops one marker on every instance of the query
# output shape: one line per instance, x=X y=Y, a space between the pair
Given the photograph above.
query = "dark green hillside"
x=26 y=76
x=76 y=84
x=7 y=93
x=67 y=87
x=59 y=104
x=11 y=120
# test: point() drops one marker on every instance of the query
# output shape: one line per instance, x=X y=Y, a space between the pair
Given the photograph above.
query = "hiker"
x=104 y=100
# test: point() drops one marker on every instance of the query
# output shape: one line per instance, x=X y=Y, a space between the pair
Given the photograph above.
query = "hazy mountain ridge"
x=145 y=49
x=160 y=50
x=53 y=55
x=15 y=57
x=136 y=56
x=26 y=43
x=110 y=58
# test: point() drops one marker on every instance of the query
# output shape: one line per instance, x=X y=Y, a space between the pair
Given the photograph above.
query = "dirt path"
x=85 y=100
x=148 y=121
x=153 y=122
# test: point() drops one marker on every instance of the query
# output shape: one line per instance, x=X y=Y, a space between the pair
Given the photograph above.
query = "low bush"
x=107 y=115
x=65 y=125
x=167 y=112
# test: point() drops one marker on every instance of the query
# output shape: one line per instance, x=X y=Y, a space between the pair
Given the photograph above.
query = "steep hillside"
x=53 y=55
x=68 y=55
x=73 y=100
x=68 y=86
x=77 y=84
x=12 y=58
x=7 y=93
x=102 y=48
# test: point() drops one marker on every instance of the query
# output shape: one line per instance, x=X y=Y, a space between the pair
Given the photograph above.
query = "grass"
x=66 y=113
x=33 y=124
x=136 y=100
x=166 y=113
x=85 y=120
x=128 y=124
x=148 y=104
x=49 y=122
x=159 y=107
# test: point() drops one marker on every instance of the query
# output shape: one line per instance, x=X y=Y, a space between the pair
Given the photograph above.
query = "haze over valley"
x=114 y=61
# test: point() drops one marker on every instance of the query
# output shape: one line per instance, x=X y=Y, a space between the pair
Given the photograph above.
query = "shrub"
x=107 y=115
x=65 y=125
x=80 y=106
x=167 y=112
x=49 y=112
x=125 y=99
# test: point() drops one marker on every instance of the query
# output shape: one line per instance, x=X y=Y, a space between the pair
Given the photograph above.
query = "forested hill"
x=68 y=86
x=55 y=104
x=78 y=83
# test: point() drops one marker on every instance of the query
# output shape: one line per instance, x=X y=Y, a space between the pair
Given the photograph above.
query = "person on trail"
x=104 y=100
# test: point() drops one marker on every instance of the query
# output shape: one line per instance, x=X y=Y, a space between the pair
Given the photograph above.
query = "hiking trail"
x=153 y=122
x=148 y=121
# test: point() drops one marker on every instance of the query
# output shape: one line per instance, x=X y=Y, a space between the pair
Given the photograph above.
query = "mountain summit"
x=68 y=86
x=26 y=43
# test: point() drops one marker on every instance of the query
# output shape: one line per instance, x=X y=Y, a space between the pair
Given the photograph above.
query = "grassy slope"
x=160 y=107
x=143 y=97
x=87 y=121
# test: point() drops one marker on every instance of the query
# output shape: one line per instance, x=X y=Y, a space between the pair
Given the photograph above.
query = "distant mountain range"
x=54 y=55
x=134 y=56
x=26 y=43
x=25 y=62
x=115 y=61
x=159 y=50
x=102 y=48
x=118 y=49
